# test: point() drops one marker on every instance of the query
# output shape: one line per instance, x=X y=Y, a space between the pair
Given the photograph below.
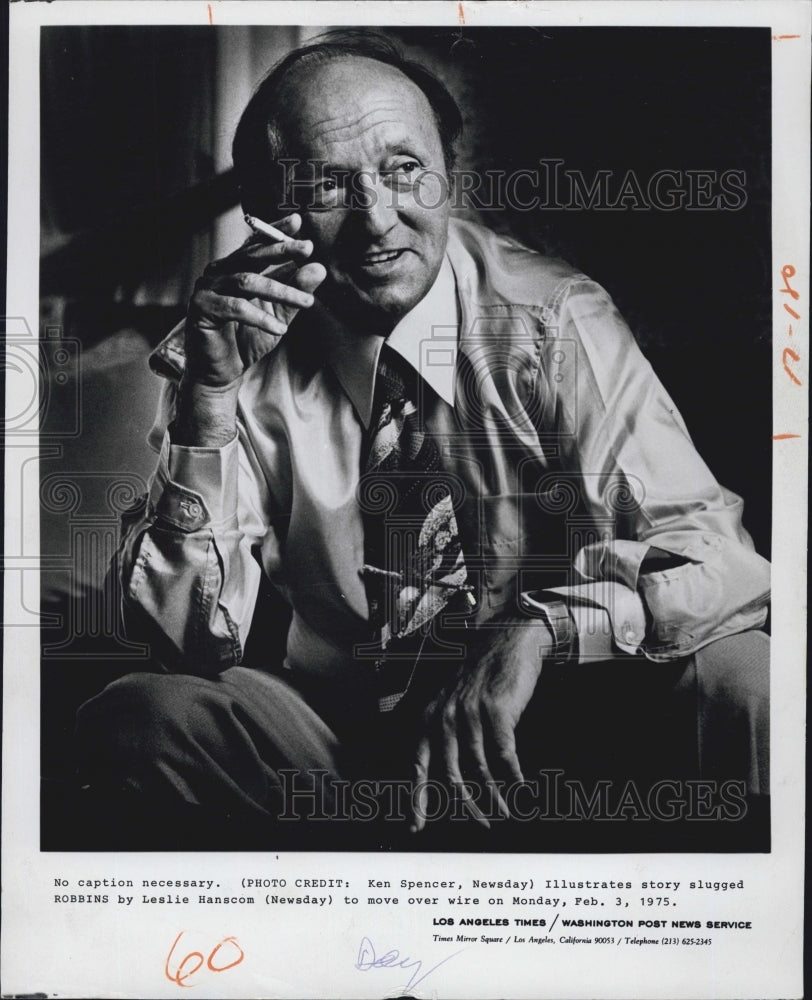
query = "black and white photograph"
x=413 y=447
x=432 y=530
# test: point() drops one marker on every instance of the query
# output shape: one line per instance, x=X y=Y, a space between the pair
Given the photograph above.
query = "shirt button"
x=194 y=510
x=629 y=634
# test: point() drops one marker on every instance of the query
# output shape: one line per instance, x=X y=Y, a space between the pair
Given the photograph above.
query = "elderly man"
x=499 y=548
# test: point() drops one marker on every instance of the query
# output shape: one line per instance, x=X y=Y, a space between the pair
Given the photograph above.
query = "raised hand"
x=241 y=307
x=261 y=286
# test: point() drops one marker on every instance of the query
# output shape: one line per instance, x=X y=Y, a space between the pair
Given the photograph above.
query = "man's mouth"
x=380 y=257
x=376 y=267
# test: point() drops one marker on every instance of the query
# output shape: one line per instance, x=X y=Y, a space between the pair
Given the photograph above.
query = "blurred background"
x=138 y=195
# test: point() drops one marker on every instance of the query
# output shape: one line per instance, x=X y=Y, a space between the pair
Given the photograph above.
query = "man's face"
x=377 y=210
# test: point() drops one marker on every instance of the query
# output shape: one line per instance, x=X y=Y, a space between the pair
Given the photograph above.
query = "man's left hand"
x=469 y=728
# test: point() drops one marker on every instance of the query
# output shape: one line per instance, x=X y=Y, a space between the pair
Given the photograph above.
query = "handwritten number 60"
x=181 y=973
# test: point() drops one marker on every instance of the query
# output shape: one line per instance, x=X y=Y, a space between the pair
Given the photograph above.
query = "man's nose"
x=374 y=205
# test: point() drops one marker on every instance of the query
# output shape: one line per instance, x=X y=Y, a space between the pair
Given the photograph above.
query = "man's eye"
x=403 y=175
x=325 y=193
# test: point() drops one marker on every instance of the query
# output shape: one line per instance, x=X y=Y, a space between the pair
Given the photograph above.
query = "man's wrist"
x=556 y=616
x=206 y=416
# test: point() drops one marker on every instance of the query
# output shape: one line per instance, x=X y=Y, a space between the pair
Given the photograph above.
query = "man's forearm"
x=188 y=576
x=206 y=416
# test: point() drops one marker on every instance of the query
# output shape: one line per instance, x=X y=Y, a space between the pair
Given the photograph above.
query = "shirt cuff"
x=196 y=486
x=609 y=617
x=619 y=561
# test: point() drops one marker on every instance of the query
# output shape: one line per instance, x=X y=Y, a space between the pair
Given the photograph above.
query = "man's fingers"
x=420 y=794
x=309 y=277
x=289 y=224
x=258 y=255
x=505 y=742
x=260 y=251
x=277 y=302
x=258 y=248
x=305 y=280
x=216 y=310
x=476 y=748
x=451 y=764
x=257 y=286
x=450 y=747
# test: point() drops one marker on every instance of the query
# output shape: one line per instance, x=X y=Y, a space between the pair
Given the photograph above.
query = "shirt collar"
x=426 y=338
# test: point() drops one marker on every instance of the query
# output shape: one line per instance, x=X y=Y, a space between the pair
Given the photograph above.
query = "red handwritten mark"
x=222 y=968
x=461 y=12
x=788 y=351
x=787 y=272
x=780 y=38
x=211 y=16
x=181 y=973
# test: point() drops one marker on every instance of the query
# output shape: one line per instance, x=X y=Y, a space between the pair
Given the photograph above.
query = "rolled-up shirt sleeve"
x=647 y=488
x=188 y=576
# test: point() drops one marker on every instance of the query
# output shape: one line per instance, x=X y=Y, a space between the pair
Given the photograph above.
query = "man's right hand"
x=262 y=285
x=258 y=288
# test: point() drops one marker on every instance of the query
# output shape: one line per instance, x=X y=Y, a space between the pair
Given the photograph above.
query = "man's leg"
x=733 y=710
x=225 y=743
x=704 y=716
x=701 y=725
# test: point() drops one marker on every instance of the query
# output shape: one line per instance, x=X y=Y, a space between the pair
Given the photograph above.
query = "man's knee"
x=134 y=719
x=202 y=738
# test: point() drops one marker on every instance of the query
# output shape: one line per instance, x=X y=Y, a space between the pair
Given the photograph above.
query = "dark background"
x=132 y=198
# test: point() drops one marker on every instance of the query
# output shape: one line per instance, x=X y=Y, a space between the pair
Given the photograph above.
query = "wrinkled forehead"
x=355 y=100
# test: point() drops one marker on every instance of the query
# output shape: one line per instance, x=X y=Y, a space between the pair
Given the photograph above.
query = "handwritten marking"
x=230 y=965
x=461 y=12
x=211 y=16
x=784 y=437
x=780 y=38
x=181 y=973
x=795 y=357
x=787 y=272
x=179 y=976
x=367 y=959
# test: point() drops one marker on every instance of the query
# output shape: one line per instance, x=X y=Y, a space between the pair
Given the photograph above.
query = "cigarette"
x=267 y=230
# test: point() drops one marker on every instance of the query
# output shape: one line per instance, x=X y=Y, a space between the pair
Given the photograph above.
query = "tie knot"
x=394 y=380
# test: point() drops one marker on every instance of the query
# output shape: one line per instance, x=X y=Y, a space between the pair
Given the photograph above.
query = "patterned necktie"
x=414 y=563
